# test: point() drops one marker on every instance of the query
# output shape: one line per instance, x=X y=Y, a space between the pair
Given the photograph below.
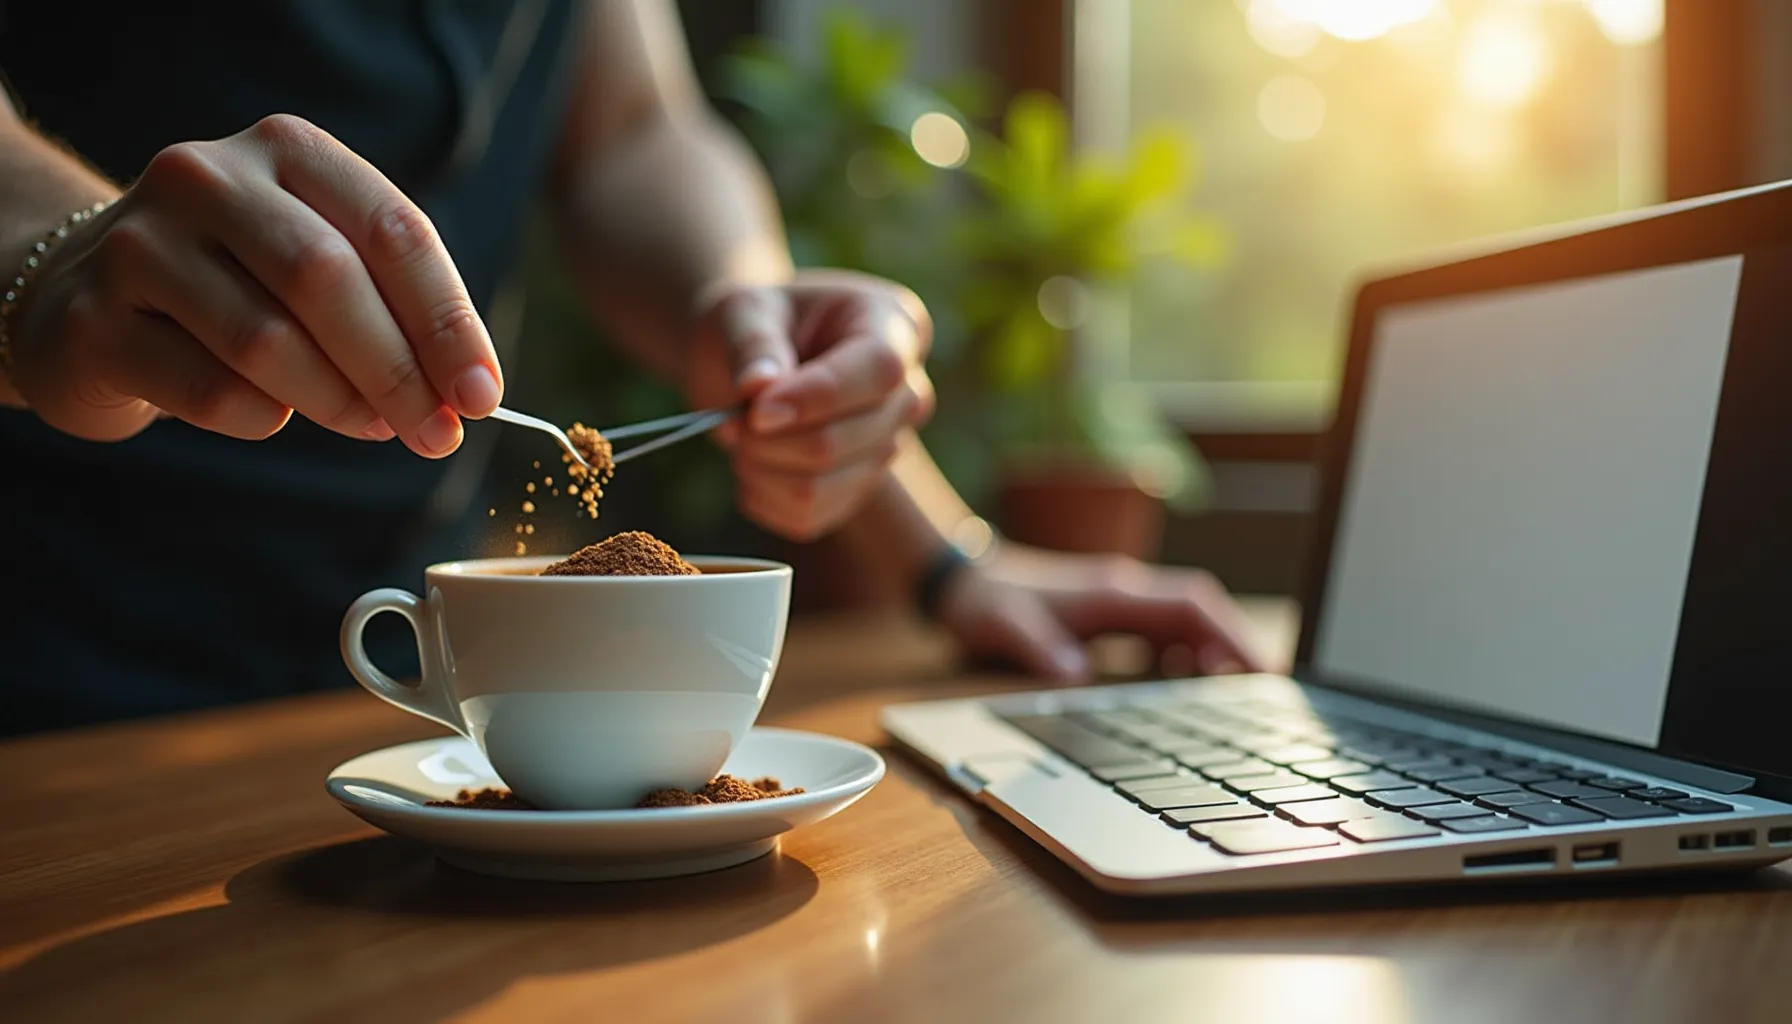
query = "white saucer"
x=389 y=789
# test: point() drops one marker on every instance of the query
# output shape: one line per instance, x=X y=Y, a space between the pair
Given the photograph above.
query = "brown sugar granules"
x=627 y=554
x=723 y=789
x=485 y=800
x=588 y=484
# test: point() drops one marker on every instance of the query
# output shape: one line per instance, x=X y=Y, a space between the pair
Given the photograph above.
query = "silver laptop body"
x=1546 y=625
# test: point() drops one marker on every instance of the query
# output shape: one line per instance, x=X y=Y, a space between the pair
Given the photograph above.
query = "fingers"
x=1011 y=624
x=755 y=328
x=877 y=348
x=868 y=437
x=160 y=363
x=218 y=303
x=803 y=506
x=1171 y=608
x=402 y=253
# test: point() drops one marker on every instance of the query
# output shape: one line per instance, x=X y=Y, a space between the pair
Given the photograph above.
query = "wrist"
x=21 y=283
x=972 y=542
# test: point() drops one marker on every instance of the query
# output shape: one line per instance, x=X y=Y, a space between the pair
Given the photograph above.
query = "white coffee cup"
x=587 y=692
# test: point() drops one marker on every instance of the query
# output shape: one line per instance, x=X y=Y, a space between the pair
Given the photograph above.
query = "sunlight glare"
x=1357 y=20
x=1628 y=22
x=1504 y=61
x=1278 y=32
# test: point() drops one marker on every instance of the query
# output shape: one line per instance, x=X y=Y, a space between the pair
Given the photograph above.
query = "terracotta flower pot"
x=1080 y=508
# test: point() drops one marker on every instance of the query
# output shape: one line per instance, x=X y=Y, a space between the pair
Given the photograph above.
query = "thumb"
x=755 y=330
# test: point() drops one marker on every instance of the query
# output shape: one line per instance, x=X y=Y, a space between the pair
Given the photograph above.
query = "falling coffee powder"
x=723 y=789
x=588 y=484
x=627 y=554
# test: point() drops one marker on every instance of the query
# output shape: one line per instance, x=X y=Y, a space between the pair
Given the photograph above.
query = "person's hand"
x=241 y=280
x=830 y=367
x=1034 y=608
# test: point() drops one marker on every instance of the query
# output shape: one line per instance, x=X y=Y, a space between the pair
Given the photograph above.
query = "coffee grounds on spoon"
x=723 y=789
x=627 y=554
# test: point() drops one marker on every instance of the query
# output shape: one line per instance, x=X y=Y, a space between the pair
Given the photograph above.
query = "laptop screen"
x=1562 y=489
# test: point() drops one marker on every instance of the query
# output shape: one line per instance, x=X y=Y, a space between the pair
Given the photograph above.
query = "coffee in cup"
x=587 y=692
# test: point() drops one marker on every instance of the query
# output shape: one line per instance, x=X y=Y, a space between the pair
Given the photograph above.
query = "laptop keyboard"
x=1266 y=778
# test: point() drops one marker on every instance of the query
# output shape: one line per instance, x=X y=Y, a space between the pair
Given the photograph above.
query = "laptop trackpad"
x=1070 y=812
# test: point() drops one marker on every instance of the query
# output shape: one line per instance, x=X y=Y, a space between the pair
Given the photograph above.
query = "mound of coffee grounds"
x=723 y=789
x=485 y=800
x=588 y=484
x=627 y=554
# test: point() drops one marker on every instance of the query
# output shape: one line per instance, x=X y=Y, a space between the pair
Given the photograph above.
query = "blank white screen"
x=1524 y=487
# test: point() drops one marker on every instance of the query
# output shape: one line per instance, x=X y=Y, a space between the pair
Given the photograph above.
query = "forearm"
x=906 y=520
x=40 y=184
x=677 y=206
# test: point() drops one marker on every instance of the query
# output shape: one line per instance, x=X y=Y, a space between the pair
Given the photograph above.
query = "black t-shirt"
x=181 y=568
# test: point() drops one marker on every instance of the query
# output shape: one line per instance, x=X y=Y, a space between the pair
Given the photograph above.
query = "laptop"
x=1547 y=628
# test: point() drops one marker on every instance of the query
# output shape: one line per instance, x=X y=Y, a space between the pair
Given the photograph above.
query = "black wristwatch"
x=970 y=541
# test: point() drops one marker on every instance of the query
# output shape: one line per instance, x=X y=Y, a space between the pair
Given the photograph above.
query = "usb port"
x=1699 y=841
x=1543 y=859
x=1733 y=840
x=1595 y=855
x=1780 y=835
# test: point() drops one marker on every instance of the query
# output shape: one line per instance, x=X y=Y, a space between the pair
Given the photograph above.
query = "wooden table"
x=192 y=869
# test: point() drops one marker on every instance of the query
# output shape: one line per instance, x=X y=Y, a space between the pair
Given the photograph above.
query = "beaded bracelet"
x=34 y=260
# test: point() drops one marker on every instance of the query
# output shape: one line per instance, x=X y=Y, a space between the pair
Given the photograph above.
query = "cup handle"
x=430 y=697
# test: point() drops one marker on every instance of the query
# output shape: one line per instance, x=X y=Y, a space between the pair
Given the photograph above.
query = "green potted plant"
x=1056 y=238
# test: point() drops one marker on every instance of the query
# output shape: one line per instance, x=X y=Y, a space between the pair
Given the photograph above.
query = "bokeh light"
x=939 y=139
x=1628 y=22
x=1505 y=59
x=1063 y=302
x=1291 y=108
x=1279 y=32
x=1357 y=20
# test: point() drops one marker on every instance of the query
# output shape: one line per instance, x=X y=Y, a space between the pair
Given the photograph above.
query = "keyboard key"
x=1326 y=812
x=1186 y=796
x=1655 y=793
x=1128 y=772
x=1622 y=807
x=1079 y=744
x=1555 y=814
x=1501 y=801
x=1441 y=812
x=1185 y=816
x=1487 y=823
x=1191 y=746
x=1398 y=799
x=1385 y=828
x=1568 y=790
x=1446 y=773
x=1290 y=753
x=1294 y=794
x=1480 y=786
x=1236 y=768
x=1421 y=761
x=1361 y=754
x=1199 y=760
x=1245 y=838
x=1697 y=805
x=1329 y=768
x=1576 y=774
x=1617 y=782
x=1253 y=783
x=1525 y=776
x=1133 y=787
x=1371 y=781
